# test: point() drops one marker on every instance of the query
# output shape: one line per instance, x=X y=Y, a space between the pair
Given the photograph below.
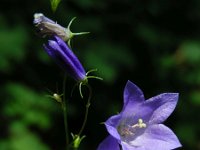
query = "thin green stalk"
x=86 y=110
x=64 y=104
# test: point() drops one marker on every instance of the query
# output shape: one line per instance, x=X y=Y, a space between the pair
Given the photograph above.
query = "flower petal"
x=111 y=125
x=161 y=106
x=126 y=146
x=154 y=110
x=157 y=137
x=132 y=97
x=54 y=49
x=59 y=55
x=69 y=53
x=109 y=143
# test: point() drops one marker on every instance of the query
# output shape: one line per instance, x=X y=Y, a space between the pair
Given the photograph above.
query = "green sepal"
x=85 y=81
x=71 y=34
x=77 y=140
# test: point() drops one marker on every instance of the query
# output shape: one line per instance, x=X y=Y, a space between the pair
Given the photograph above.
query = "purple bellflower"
x=139 y=125
x=63 y=55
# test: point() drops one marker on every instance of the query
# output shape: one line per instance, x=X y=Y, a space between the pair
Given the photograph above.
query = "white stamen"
x=127 y=131
x=140 y=124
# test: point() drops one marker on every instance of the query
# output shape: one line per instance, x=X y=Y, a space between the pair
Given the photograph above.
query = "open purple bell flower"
x=63 y=55
x=139 y=125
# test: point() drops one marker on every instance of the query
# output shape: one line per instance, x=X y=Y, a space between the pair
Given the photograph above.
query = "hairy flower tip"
x=63 y=55
x=48 y=27
x=139 y=125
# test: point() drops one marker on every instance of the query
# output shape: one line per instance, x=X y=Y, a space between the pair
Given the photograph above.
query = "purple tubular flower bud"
x=61 y=53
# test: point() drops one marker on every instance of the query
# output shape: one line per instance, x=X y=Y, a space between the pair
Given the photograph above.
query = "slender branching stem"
x=86 y=110
x=64 y=105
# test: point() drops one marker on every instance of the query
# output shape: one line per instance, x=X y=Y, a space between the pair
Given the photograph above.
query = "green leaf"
x=54 y=4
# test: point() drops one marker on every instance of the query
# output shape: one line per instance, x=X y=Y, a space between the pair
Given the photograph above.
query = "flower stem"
x=64 y=105
x=86 y=110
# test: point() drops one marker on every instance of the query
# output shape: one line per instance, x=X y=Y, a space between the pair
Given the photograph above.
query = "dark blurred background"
x=155 y=44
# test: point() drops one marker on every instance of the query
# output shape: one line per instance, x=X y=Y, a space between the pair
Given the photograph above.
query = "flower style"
x=139 y=125
x=61 y=53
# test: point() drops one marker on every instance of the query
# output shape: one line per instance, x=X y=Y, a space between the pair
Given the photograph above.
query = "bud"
x=63 y=55
x=48 y=27
x=77 y=140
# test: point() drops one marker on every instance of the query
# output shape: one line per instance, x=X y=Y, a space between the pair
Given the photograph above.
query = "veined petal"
x=111 y=125
x=132 y=97
x=154 y=110
x=69 y=53
x=157 y=137
x=58 y=54
x=55 y=50
x=49 y=51
x=162 y=106
x=126 y=146
x=109 y=143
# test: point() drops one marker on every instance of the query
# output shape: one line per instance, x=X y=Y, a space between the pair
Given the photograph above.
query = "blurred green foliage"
x=155 y=44
x=25 y=108
x=12 y=43
x=108 y=59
